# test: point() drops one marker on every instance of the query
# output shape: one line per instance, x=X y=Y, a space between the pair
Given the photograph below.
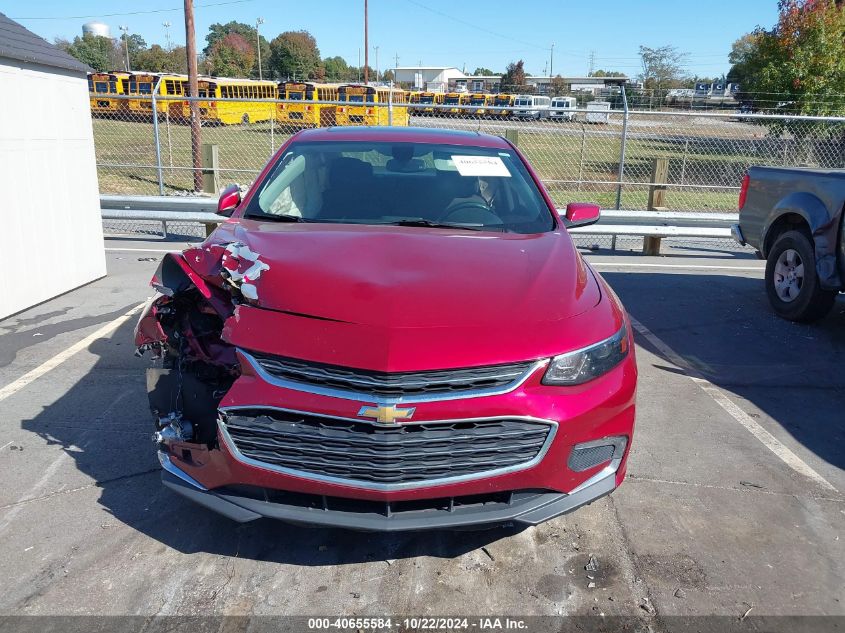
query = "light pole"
x=166 y=26
x=258 y=23
x=125 y=30
x=552 y=61
x=376 y=47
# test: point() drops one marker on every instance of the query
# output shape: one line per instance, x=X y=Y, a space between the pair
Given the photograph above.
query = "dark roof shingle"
x=21 y=44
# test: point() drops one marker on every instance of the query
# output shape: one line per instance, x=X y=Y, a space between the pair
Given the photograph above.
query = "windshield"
x=427 y=99
x=412 y=184
x=452 y=100
x=477 y=101
x=295 y=96
x=522 y=102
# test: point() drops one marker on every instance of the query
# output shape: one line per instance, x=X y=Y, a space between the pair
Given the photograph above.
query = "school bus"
x=455 y=102
x=502 y=101
x=478 y=103
x=103 y=87
x=429 y=99
x=233 y=112
x=307 y=111
x=368 y=105
x=141 y=86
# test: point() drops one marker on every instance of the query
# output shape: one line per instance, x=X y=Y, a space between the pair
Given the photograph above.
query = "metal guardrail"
x=653 y=225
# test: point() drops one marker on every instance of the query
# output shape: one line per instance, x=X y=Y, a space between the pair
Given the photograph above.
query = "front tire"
x=792 y=282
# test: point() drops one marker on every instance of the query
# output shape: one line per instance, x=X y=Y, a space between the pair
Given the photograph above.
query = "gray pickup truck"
x=794 y=218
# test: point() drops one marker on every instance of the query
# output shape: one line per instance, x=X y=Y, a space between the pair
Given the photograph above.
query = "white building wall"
x=429 y=75
x=52 y=233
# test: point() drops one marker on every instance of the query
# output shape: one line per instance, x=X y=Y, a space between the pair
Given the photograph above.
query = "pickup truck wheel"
x=791 y=280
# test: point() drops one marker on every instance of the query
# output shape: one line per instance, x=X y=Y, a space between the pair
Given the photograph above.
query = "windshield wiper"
x=284 y=217
x=439 y=225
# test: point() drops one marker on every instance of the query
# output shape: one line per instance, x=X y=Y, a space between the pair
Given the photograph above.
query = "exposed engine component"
x=182 y=330
x=173 y=428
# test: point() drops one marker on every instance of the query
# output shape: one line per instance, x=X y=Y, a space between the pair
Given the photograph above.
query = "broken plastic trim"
x=242 y=267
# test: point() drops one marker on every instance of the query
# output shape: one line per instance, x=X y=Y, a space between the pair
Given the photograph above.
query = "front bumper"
x=524 y=508
x=244 y=486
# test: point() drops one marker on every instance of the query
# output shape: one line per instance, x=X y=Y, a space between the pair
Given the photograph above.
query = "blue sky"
x=487 y=33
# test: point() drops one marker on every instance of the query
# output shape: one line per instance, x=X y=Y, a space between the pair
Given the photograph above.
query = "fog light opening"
x=587 y=455
x=608 y=450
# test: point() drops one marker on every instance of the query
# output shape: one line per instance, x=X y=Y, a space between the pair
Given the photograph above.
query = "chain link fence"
x=581 y=154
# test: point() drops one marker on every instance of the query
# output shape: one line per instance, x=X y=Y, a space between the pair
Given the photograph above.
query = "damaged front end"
x=181 y=329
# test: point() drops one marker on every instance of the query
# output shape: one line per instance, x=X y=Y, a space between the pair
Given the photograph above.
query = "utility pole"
x=125 y=30
x=166 y=26
x=359 y=64
x=376 y=47
x=552 y=61
x=592 y=63
x=366 y=48
x=193 y=91
x=395 y=62
x=258 y=23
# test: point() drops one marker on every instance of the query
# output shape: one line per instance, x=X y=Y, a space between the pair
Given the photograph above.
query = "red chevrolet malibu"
x=391 y=331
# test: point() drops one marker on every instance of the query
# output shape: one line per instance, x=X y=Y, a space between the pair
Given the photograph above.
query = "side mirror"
x=229 y=200
x=581 y=214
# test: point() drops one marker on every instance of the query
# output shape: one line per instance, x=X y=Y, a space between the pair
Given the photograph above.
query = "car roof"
x=402 y=134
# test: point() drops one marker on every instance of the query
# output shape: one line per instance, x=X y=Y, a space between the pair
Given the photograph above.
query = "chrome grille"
x=382 y=455
x=397 y=384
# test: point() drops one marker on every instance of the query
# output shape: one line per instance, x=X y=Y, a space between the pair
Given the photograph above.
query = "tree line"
x=231 y=51
x=795 y=66
x=798 y=65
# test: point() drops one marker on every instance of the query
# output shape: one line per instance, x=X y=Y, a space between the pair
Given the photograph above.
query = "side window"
x=297 y=191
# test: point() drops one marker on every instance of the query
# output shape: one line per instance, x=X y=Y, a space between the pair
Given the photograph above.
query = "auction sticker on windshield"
x=480 y=166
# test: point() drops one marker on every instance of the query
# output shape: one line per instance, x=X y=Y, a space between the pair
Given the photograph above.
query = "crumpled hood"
x=401 y=277
x=407 y=299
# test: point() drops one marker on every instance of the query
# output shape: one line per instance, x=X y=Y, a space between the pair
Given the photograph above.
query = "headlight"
x=574 y=368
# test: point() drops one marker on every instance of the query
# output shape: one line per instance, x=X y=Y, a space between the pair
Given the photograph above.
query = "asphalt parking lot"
x=734 y=503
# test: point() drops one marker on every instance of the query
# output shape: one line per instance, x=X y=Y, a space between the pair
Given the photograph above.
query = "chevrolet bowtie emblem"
x=386 y=414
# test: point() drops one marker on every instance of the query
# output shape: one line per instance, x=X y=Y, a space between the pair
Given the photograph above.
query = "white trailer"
x=598 y=112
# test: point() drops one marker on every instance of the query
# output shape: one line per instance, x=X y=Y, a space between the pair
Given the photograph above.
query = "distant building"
x=436 y=78
x=450 y=78
x=483 y=83
x=593 y=85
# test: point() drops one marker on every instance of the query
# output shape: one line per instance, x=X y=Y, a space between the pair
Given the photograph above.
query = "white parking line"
x=144 y=250
x=768 y=440
x=58 y=359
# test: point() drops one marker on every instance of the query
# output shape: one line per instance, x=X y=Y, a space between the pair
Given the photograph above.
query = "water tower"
x=96 y=28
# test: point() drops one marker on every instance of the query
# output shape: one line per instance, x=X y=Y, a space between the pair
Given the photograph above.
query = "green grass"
x=243 y=152
x=563 y=155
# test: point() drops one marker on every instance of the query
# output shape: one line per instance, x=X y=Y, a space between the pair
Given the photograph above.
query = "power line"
x=111 y=15
x=475 y=26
